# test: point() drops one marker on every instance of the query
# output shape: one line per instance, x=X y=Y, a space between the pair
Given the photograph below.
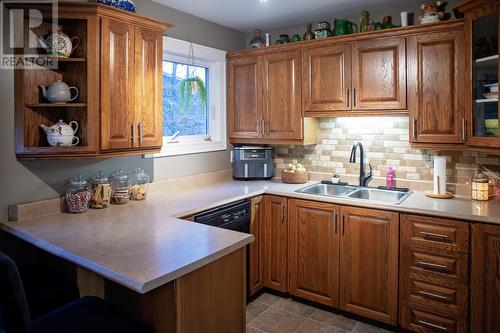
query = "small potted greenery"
x=335 y=178
x=190 y=87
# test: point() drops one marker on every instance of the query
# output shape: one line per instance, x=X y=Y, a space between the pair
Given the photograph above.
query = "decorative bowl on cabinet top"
x=61 y=134
x=58 y=92
x=58 y=44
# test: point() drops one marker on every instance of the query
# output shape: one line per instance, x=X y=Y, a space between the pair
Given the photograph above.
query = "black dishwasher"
x=234 y=216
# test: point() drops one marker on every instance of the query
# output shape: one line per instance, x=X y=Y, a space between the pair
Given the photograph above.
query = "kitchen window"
x=193 y=98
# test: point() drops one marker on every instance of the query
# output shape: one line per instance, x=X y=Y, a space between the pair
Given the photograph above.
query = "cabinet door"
x=327 y=77
x=117 y=85
x=379 y=74
x=313 y=258
x=276 y=240
x=256 y=257
x=148 y=87
x=436 y=68
x=244 y=102
x=485 y=286
x=369 y=263
x=282 y=96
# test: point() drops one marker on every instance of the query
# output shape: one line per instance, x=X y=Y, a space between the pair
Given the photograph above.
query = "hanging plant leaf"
x=190 y=87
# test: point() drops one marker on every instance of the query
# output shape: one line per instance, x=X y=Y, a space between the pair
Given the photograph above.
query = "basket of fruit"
x=294 y=174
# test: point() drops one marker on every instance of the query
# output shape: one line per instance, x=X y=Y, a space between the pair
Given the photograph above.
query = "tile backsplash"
x=385 y=141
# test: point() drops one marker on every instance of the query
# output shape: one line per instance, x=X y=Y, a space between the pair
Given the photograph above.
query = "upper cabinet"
x=363 y=76
x=436 y=67
x=265 y=100
x=379 y=74
x=481 y=107
x=117 y=69
x=327 y=78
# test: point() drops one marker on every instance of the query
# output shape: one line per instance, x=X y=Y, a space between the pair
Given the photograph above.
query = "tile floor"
x=269 y=313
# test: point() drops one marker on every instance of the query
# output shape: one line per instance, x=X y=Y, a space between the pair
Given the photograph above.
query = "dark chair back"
x=14 y=312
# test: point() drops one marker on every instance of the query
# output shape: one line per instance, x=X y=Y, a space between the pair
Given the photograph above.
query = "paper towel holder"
x=446 y=195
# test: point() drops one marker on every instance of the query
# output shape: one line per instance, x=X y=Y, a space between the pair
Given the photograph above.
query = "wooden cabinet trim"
x=256 y=248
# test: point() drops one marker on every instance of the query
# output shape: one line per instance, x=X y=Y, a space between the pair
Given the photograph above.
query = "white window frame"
x=177 y=50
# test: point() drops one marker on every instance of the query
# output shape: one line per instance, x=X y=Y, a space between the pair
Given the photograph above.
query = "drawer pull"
x=439 y=327
x=433 y=235
x=432 y=265
x=426 y=293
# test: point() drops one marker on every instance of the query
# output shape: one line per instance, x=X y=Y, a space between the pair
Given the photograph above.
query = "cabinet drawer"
x=435 y=233
x=439 y=264
x=420 y=319
x=452 y=299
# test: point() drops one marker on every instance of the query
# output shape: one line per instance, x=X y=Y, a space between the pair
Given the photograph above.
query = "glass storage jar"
x=140 y=184
x=77 y=195
x=120 y=188
x=480 y=186
x=100 y=191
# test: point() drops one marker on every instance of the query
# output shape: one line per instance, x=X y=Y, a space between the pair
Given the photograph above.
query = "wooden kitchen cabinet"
x=327 y=79
x=276 y=243
x=117 y=90
x=313 y=257
x=265 y=100
x=131 y=81
x=244 y=102
x=369 y=255
x=256 y=248
x=436 y=74
x=282 y=97
x=485 y=279
x=117 y=69
x=379 y=74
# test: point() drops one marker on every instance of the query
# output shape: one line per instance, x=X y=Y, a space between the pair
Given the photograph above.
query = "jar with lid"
x=120 y=188
x=480 y=186
x=100 y=191
x=77 y=195
x=140 y=184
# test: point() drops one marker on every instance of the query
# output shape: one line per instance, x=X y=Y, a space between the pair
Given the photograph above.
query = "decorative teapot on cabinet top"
x=58 y=92
x=58 y=44
x=61 y=134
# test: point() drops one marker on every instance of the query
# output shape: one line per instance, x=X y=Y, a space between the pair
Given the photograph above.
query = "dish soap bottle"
x=390 y=179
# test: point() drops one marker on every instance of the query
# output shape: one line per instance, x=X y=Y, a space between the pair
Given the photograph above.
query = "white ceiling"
x=246 y=15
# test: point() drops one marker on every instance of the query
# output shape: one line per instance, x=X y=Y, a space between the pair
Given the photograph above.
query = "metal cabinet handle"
x=432 y=235
x=354 y=97
x=335 y=222
x=263 y=127
x=282 y=213
x=140 y=125
x=258 y=127
x=414 y=129
x=426 y=293
x=343 y=225
x=463 y=129
x=132 y=127
x=347 y=98
x=439 y=327
x=432 y=265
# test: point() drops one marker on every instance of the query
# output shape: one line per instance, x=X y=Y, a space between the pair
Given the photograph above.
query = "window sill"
x=176 y=149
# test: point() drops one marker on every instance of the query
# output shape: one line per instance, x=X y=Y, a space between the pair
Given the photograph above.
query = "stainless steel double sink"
x=357 y=193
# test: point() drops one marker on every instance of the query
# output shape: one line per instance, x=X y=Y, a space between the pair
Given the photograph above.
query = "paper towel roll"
x=439 y=175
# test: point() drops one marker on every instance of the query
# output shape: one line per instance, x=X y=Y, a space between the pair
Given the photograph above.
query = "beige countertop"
x=143 y=245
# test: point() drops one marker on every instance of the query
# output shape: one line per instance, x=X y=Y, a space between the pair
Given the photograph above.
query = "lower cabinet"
x=313 y=257
x=275 y=242
x=485 y=279
x=256 y=248
x=369 y=263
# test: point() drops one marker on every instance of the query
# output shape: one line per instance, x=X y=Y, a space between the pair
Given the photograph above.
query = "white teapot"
x=58 y=92
x=62 y=134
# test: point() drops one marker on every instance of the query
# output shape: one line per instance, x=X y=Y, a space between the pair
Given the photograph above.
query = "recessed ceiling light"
x=263 y=0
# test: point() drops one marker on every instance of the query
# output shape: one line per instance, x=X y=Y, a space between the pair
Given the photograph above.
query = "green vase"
x=344 y=27
x=365 y=21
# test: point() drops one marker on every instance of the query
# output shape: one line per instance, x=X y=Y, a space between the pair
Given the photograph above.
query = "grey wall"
x=376 y=14
x=24 y=181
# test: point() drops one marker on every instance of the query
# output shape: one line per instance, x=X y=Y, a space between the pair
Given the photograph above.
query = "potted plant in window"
x=192 y=86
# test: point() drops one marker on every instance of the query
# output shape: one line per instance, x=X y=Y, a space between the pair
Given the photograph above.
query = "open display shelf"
x=34 y=110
